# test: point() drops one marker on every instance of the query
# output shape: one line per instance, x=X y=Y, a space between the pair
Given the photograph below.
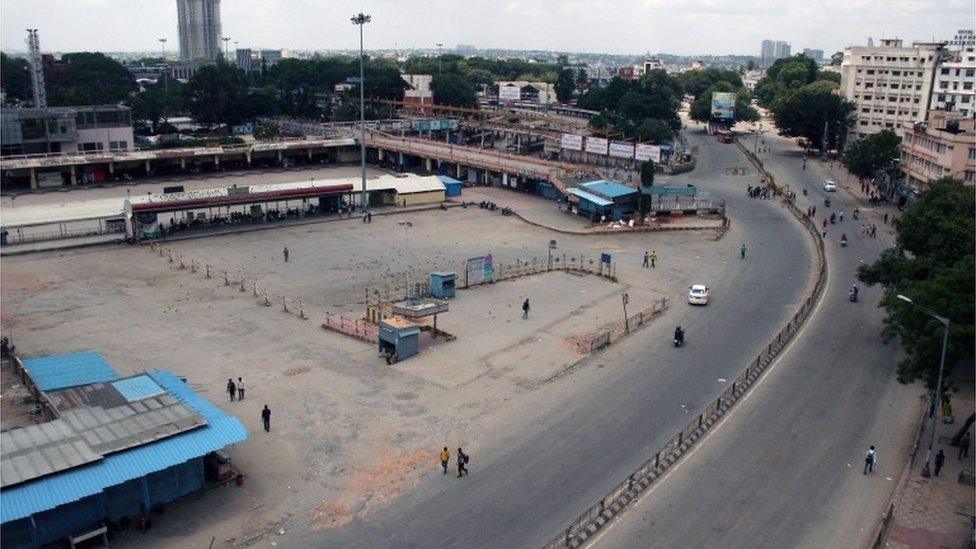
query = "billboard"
x=596 y=145
x=571 y=141
x=644 y=152
x=620 y=149
x=479 y=269
x=723 y=106
x=433 y=125
x=509 y=93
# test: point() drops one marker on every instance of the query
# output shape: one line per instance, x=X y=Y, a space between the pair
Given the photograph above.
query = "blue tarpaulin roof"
x=598 y=200
x=71 y=370
x=609 y=189
x=49 y=492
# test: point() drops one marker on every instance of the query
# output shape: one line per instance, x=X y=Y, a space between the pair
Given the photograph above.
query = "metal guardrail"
x=598 y=514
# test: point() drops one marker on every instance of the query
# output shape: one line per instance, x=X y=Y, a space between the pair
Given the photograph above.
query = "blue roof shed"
x=452 y=187
x=71 y=370
x=609 y=189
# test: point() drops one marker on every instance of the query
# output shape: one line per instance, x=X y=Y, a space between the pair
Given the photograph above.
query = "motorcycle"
x=843 y=241
x=679 y=338
x=852 y=296
x=827 y=202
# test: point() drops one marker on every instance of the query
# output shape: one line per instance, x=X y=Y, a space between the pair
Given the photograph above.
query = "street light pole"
x=926 y=469
x=406 y=245
x=361 y=20
x=439 y=58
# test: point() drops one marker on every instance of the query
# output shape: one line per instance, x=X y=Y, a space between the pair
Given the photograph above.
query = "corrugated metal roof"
x=448 y=180
x=60 y=371
x=221 y=430
x=137 y=388
x=598 y=200
x=609 y=189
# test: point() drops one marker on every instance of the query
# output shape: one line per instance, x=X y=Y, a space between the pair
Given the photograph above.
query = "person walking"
x=841 y=216
x=231 y=388
x=886 y=218
x=445 y=459
x=742 y=251
x=462 y=462
x=369 y=217
x=240 y=389
x=870 y=459
x=266 y=418
x=964 y=443
x=653 y=259
x=525 y=308
x=284 y=252
x=646 y=259
x=939 y=461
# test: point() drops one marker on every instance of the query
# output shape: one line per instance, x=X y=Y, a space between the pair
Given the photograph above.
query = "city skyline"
x=701 y=28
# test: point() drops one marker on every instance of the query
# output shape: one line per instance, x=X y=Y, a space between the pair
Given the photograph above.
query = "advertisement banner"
x=596 y=145
x=509 y=93
x=723 y=106
x=620 y=149
x=571 y=141
x=645 y=152
x=433 y=125
x=475 y=271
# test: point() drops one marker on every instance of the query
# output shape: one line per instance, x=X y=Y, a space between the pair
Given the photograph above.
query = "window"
x=895 y=73
x=945 y=71
x=893 y=86
x=967 y=85
x=970 y=176
x=867 y=97
x=970 y=72
x=972 y=153
x=941 y=97
x=891 y=111
x=865 y=109
x=864 y=122
x=965 y=99
x=870 y=71
x=92 y=147
x=943 y=84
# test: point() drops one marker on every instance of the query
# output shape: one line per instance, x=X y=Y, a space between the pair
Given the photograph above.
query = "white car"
x=830 y=186
x=698 y=294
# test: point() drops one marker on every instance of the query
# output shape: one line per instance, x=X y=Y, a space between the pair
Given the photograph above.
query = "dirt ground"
x=348 y=431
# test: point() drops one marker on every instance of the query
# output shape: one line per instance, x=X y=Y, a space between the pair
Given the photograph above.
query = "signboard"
x=149 y=225
x=433 y=125
x=644 y=152
x=571 y=141
x=596 y=145
x=723 y=106
x=509 y=93
x=479 y=269
x=605 y=258
x=620 y=149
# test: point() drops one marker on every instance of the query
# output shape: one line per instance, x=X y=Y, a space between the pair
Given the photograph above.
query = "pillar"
x=33 y=178
x=504 y=179
x=429 y=164
x=400 y=157
x=148 y=168
x=74 y=176
x=457 y=174
x=280 y=156
x=379 y=155
x=111 y=168
x=183 y=163
x=217 y=160
x=309 y=153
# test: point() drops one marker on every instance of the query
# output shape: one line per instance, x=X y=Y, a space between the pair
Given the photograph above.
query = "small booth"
x=399 y=339
x=442 y=285
x=452 y=187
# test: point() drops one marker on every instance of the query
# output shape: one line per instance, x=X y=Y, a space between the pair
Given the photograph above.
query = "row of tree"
x=645 y=108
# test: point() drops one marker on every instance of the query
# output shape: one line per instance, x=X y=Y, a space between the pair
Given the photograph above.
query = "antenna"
x=36 y=68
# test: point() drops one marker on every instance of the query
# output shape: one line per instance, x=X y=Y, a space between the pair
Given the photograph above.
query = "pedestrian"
x=939 y=461
x=231 y=388
x=285 y=253
x=462 y=461
x=525 y=308
x=266 y=418
x=886 y=218
x=369 y=217
x=841 y=216
x=814 y=212
x=742 y=251
x=874 y=231
x=445 y=459
x=646 y=259
x=870 y=460
x=653 y=258
x=964 y=443
x=240 y=389
x=825 y=223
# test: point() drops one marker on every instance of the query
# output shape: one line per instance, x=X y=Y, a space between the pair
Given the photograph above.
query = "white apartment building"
x=890 y=83
x=954 y=83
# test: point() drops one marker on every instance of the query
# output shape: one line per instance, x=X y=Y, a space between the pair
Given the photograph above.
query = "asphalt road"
x=785 y=468
x=531 y=479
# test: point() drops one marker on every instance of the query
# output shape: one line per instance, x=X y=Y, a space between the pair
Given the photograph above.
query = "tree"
x=786 y=75
x=696 y=83
x=647 y=181
x=565 y=84
x=14 y=78
x=215 y=94
x=813 y=110
x=932 y=262
x=701 y=108
x=647 y=174
x=750 y=65
x=654 y=130
x=88 y=79
x=837 y=58
x=874 y=153
x=452 y=89
x=158 y=101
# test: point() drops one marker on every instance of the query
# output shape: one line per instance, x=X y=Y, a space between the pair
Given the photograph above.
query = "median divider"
x=615 y=501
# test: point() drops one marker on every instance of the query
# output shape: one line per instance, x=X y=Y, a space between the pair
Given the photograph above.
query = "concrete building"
x=199 y=22
x=943 y=146
x=92 y=128
x=954 y=83
x=816 y=55
x=964 y=40
x=771 y=50
x=244 y=58
x=890 y=84
x=419 y=92
x=531 y=92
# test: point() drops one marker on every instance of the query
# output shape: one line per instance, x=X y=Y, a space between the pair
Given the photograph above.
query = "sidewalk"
x=938 y=511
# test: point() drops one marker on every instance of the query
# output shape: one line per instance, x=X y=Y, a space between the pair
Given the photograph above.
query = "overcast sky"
x=618 y=26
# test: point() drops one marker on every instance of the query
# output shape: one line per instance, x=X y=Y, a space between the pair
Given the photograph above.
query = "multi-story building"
x=943 y=146
x=816 y=55
x=244 y=58
x=954 y=83
x=199 y=22
x=419 y=92
x=771 y=50
x=89 y=128
x=890 y=83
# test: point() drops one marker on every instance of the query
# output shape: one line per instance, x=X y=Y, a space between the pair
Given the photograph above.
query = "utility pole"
x=406 y=245
x=361 y=20
x=439 y=58
x=625 y=298
x=164 y=76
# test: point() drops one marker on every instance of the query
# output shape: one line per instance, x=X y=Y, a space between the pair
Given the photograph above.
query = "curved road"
x=534 y=474
x=784 y=469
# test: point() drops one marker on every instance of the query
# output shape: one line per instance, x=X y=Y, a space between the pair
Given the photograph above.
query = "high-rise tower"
x=199 y=29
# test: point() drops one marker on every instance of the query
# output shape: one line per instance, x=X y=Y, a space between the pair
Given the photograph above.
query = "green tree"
x=215 y=94
x=14 y=78
x=696 y=83
x=565 y=84
x=454 y=90
x=701 y=108
x=647 y=174
x=813 y=110
x=932 y=263
x=874 y=153
x=837 y=58
x=88 y=79
x=786 y=75
x=654 y=130
x=646 y=182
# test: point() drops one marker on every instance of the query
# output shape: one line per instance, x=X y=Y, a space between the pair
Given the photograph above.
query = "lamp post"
x=360 y=20
x=406 y=246
x=439 y=58
x=926 y=470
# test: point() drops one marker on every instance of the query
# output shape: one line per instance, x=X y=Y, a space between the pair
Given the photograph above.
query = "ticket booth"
x=399 y=340
x=442 y=285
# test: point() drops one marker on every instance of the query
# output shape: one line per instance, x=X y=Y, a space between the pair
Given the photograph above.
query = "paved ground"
x=784 y=469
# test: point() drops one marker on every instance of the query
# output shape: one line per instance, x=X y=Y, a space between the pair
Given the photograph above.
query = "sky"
x=683 y=27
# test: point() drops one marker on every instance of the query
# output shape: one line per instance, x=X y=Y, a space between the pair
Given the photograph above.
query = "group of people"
x=869 y=230
x=236 y=390
x=760 y=192
x=650 y=259
x=462 y=461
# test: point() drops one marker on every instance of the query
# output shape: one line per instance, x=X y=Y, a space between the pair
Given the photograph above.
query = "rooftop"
x=609 y=189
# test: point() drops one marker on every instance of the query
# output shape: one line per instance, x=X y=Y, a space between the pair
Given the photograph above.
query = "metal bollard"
x=208 y=272
x=182 y=263
x=267 y=299
x=301 y=310
x=242 y=285
x=254 y=288
x=226 y=279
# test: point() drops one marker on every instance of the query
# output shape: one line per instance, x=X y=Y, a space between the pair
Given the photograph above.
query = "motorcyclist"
x=853 y=291
x=833 y=218
x=679 y=335
x=856 y=213
x=843 y=239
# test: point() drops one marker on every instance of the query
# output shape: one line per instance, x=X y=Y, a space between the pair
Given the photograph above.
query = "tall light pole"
x=162 y=41
x=406 y=246
x=439 y=58
x=926 y=471
x=360 y=20
x=226 y=39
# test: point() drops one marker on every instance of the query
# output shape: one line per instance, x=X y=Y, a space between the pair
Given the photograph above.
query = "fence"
x=359 y=329
x=615 y=331
x=591 y=520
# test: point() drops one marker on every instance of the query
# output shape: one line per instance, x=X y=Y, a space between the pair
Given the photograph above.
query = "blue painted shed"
x=452 y=187
x=70 y=370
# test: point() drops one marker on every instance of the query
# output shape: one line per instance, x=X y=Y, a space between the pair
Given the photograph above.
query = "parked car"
x=698 y=294
x=830 y=186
